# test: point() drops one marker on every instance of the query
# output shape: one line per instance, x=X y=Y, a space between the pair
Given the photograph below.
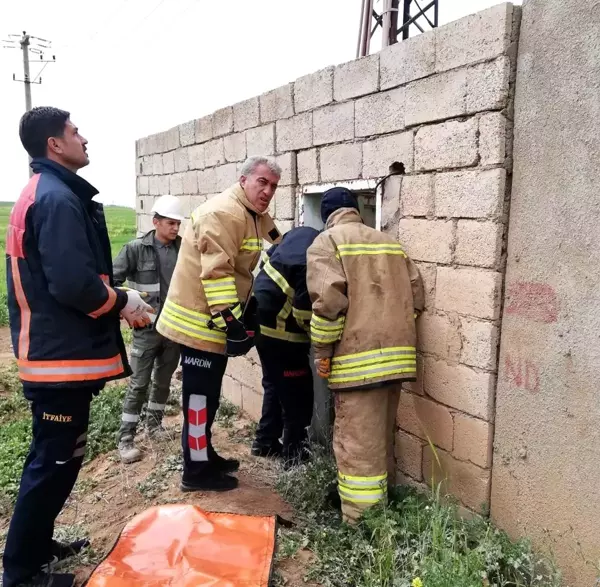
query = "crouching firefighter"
x=365 y=293
x=203 y=312
x=147 y=263
x=64 y=322
x=284 y=312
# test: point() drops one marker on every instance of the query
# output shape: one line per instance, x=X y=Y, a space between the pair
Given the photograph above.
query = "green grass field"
x=121 y=229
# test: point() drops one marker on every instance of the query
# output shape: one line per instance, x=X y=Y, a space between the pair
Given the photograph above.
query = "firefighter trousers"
x=150 y=352
x=363 y=444
x=59 y=434
x=287 y=380
x=202 y=376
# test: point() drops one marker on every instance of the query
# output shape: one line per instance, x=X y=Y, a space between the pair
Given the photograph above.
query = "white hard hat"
x=168 y=206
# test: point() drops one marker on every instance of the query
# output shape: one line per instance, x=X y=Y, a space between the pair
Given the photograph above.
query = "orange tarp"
x=182 y=545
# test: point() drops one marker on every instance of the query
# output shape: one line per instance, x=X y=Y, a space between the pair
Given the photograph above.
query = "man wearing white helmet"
x=147 y=263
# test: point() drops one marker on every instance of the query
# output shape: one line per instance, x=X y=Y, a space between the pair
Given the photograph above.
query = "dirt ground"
x=6 y=351
x=109 y=494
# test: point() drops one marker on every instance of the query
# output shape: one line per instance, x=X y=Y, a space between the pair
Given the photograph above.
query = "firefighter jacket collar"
x=80 y=187
x=343 y=216
x=240 y=194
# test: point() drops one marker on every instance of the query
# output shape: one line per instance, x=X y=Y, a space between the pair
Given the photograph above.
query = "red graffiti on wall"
x=535 y=301
x=522 y=373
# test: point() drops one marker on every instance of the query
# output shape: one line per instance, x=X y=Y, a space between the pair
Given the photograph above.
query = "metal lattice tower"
x=396 y=18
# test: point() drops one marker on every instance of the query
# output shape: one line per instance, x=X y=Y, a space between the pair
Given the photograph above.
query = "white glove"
x=136 y=310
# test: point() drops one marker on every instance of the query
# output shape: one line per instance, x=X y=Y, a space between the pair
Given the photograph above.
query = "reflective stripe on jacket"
x=63 y=308
x=220 y=248
x=364 y=291
x=284 y=308
x=138 y=264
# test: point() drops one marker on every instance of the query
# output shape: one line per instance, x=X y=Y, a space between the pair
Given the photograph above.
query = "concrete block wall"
x=441 y=104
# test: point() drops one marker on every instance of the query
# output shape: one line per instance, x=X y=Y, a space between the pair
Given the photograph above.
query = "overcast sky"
x=129 y=68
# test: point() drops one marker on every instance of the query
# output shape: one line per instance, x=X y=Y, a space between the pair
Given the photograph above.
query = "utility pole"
x=38 y=46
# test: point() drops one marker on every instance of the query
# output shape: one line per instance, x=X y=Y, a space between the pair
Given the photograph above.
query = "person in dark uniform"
x=64 y=321
x=283 y=345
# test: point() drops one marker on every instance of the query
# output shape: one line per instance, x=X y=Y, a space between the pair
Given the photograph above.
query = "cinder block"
x=185 y=201
x=214 y=153
x=260 y=141
x=277 y=104
x=478 y=243
x=313 y=90
x=227 y=175
x=171 y=139
x=356 y=78
x=471 y=292
x=294 y=133
x=409 y=454
x=492 y=139
x=479 y=343
x=477 y=37
x=182 y=160
x=168 y=162
x=163 y=184
x=153 y=185
x=143 y=204
x=235 y=147
x=308 y=170
x=468 y=482
x=176 y=184
x=446 y=145
x=390 y=204
x=488 y=85
x=380 y=113
x=408 y=60
x=473 y=440
x=289 y=175
x=416 y=195
x=196 y=201
x=190 y=183
x=207 y=181
x=245 y=114
x=428 y=273
x=439 y=334
x=380 y=153
x=424 y=418
x=284 y=225
x=333 y=124
x=427 y=240
x=417 y=386
x=251 y=402
x=143 y=185
x=232 y=390
x=204 y=129
x=187 y=133
x=285 y=203
x=157 y=164
x=341 y=162
x=470 y=194
x=460 y=387
x=196 y=156
x=222 y=121
x=141 y=147
x=436 y=98
x=144 y=223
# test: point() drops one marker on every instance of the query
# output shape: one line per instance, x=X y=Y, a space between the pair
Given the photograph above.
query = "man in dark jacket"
x=64 y=320
x=147 y=263
x=284 y=313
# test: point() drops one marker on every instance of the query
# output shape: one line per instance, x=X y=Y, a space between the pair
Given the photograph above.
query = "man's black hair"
x=38 y=125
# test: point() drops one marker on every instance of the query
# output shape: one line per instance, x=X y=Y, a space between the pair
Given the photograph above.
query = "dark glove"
x=239 y=342
x=250 y=317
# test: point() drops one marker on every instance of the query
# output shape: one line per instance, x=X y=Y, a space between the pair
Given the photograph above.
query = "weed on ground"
x=416 y=540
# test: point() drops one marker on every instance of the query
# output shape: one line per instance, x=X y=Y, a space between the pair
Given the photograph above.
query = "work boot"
x=211 y=481
x=61 y=551
x=260 y=450
x=158 y=433
x=129 y=453
x=225 y=465
x=50 y=580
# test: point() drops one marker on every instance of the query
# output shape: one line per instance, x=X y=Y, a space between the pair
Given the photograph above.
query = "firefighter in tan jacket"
x=204 y=309
x=365 y=294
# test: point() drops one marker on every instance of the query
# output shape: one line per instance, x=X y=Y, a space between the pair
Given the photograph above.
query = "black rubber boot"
x=214 y=481
x=61 y=551
x=225 y=465
x=259 y=450
x=50 y=580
